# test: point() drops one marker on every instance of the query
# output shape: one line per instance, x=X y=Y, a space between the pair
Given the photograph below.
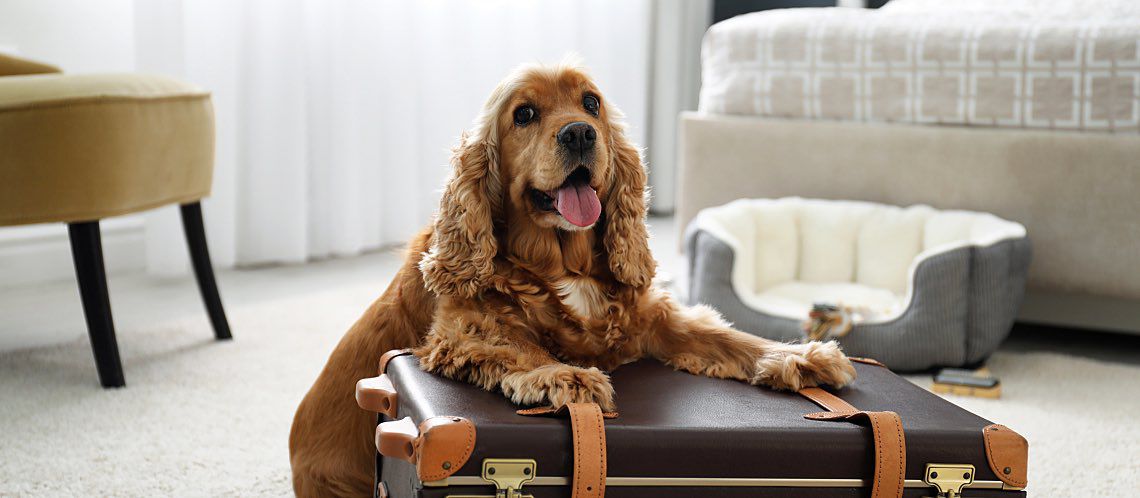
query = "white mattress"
x=1010 y=63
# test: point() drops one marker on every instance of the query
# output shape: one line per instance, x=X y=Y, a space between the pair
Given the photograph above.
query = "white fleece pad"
x=774 y=239
x=827 y=233
x=792 y=252
x=795 y=298
x=888 y=242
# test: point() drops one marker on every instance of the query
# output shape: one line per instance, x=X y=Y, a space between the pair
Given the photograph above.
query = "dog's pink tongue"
x=578 y=203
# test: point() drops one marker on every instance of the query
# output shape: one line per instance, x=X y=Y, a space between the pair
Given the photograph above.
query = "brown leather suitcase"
x=680 y=435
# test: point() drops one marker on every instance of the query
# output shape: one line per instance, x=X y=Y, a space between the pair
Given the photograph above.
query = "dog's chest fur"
x=583 y=295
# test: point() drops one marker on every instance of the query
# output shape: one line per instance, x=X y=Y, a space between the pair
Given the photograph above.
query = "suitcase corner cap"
x=444 y=444
x=1007 y=452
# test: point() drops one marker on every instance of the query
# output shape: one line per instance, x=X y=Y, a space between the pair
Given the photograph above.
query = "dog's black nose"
x=577 y=137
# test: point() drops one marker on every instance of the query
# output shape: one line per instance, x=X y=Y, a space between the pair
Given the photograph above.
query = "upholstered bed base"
x=1076 y=192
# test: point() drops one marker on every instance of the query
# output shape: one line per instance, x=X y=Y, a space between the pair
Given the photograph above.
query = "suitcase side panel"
x=703 y=492
x=764 y=436
x=400 y=478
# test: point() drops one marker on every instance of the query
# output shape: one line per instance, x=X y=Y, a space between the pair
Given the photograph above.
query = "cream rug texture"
x=200 y=418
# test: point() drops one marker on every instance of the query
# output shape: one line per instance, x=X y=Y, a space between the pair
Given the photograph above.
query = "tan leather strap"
x=827 y=400
x=887 y=432
x=540 y=411
x=589 y=433
x=869 y=361
x=587 y=425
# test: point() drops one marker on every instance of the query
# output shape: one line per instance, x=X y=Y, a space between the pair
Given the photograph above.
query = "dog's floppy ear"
x=460 y=258
x=626 y=236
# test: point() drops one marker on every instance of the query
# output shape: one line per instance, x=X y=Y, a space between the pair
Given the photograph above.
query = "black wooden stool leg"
x=87 y=252
x=203 y=270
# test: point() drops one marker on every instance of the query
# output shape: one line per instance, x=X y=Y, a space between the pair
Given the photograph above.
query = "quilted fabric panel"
x=999 y=64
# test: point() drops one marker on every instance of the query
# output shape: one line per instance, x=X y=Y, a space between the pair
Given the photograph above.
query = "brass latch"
x=508 y=475
x=949 y=478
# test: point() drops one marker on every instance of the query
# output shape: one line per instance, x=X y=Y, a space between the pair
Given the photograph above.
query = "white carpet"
x=201 y=418
x=1080 y=417
x=198 y=418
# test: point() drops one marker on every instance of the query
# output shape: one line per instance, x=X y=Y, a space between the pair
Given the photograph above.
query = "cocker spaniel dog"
x=534 y=279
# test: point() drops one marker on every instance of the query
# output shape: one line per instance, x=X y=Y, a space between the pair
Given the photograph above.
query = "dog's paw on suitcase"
x=559 y=385
x=795 y=366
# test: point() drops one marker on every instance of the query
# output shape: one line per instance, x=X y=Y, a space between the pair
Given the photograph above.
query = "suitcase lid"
x=673 y=424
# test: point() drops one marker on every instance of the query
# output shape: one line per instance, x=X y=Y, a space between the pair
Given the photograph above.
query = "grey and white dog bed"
x=934 y=288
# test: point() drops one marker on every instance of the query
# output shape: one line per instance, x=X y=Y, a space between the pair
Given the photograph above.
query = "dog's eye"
x=524 y=114
x=591 y=104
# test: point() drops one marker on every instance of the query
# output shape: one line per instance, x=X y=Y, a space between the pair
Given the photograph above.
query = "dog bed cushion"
x=916 y=271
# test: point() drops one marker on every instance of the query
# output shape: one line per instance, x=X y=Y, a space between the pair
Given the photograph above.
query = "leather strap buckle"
x=589 y=432
x=887 y=430
x=587 y=424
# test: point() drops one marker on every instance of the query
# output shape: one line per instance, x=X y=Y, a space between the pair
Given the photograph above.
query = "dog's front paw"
x=559 y=385
x=793 y=367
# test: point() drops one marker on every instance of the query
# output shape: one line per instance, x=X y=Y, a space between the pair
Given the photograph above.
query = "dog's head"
x=547 y=153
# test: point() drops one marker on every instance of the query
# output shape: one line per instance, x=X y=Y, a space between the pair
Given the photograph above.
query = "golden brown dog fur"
x=507 y=296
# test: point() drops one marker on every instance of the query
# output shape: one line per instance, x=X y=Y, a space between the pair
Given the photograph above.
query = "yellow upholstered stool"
x=78 y=148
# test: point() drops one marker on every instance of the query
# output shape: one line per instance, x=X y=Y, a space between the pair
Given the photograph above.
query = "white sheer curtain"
x=335 y=117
